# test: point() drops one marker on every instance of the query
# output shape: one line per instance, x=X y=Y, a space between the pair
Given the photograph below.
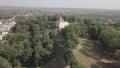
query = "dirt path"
x=90 y=59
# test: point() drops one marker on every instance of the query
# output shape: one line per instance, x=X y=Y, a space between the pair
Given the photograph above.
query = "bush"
x=70 y=59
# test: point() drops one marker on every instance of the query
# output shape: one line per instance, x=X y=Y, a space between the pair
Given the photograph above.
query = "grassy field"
x=84 y=59
x=88 y=53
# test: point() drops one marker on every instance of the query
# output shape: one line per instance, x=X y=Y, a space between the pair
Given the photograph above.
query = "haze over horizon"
x=91 y=4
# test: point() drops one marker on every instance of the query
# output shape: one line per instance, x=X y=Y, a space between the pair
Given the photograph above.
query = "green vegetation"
x=107 y=35
x=70 y=59
x=71 y=34
x=32 y=43
x=85 y=51
x=4 y=63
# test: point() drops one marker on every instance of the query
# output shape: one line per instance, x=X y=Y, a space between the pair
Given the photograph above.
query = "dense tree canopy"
x=4 y=63
x=30 y=43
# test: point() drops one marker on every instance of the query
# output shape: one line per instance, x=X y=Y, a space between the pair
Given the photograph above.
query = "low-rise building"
x=10 y=23
x=5 y=28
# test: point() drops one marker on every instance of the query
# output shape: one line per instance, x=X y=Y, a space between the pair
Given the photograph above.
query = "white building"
x=3 y=31
x=5 y=28
x=3 y=34
x=61 y=23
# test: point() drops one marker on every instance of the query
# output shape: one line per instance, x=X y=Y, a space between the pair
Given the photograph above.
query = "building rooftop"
x=4 y=30
x=4 y=26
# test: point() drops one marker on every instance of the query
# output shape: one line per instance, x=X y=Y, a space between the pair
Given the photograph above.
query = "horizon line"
x=59 y=7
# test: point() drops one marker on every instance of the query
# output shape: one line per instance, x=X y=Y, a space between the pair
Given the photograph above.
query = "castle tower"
x=60 y=23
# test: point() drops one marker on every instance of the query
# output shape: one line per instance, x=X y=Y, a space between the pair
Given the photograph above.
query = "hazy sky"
x=100 y=4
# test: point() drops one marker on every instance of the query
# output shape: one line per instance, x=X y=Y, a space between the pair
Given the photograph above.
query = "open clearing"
x=85 y=54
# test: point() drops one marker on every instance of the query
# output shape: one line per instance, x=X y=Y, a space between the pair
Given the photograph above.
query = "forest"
x=32 y=42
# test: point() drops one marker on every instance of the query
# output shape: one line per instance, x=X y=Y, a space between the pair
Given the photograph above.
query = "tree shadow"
x=93 y=48
x=90 y=49
x=89 y=54
x=105 y=65
x=96 y=66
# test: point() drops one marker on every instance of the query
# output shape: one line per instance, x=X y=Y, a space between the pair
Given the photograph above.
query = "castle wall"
x=63 y=24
